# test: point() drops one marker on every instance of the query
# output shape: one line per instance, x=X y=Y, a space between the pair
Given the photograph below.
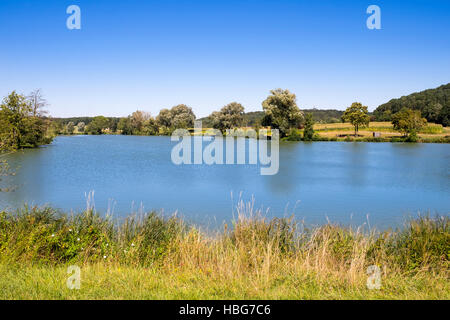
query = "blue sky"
x=150 y=55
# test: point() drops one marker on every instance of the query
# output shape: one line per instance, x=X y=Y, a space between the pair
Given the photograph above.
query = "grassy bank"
x=158 y=257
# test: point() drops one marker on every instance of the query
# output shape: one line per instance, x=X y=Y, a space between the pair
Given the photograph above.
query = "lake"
x=337 y=181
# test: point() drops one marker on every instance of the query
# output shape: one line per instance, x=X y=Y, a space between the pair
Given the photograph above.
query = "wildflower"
x=104 y=257
x=132 y=244
x=53 y=235
x=70 y=230
x=78 y=239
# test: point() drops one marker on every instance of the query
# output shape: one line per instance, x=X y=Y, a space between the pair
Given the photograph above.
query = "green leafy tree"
x=357 y=115
x=19 y=127
x=432 y=111
x=182 y=117
x=308 y=132
x=164 y=118
x=150 y=127
x=70 y=127
x=444 y=116
x=80 y=127
x=137 y=119
x=97 y=125
x=281 y=111
x=230 y=116
x=125 y=126
x=408 y=121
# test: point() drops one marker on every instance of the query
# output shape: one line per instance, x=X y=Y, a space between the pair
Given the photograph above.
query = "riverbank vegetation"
x=22 y=122
x=157 y=257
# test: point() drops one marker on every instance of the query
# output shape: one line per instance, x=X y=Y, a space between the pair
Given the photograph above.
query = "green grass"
x=109 y=281
x=155 y=257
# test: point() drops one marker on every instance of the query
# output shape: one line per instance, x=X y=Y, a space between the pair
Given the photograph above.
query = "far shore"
x=344 y=132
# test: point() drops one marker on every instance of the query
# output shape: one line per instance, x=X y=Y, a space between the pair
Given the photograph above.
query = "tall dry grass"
x=254 y=248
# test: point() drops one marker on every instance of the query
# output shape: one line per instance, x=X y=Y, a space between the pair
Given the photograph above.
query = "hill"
x=433 y=103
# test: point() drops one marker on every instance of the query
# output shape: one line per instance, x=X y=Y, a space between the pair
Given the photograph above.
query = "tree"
x=150 y=127
x=164 y=118
x=125 y=126
x=97 y=125
x=182 y=117
x=18 y=127
x=432 y=111
x=408 y=121
x=137 y=119
x=281 y=111
x=13 y=110
x=357 y=115
x=70 y=127
x=37 y=103
x=80 y=127
x=308 y=132
x=444 y=116
x=230 y=116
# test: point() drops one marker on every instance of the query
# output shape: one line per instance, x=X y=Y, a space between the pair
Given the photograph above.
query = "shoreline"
x=439 y=140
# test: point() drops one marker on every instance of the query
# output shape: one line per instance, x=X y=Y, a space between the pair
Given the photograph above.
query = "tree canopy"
x=308 y=132
x=408 y=121
x=281 y=111
x=229 y=117
x=180 y=116
x=138 y=123
x=98 y=125
x=21 y=126
x=357 y=115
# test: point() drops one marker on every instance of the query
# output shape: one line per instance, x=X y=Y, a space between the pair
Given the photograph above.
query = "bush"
x=423 y=244
x=412 y=137
x=294 y=135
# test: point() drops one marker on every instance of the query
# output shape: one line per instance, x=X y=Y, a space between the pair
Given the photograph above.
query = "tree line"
x=24 y=121
x=280 y=112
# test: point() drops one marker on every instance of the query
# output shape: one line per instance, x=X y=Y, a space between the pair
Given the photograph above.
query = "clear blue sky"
x=150 y=55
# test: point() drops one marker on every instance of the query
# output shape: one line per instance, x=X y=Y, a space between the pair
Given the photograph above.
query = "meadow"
x=150 y=256
x=432 y=133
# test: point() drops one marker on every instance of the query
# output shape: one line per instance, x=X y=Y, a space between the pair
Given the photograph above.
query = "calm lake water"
x=342 y=182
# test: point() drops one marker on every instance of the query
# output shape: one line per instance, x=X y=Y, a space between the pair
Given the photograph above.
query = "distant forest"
x=434 y=104
x=250 y=118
